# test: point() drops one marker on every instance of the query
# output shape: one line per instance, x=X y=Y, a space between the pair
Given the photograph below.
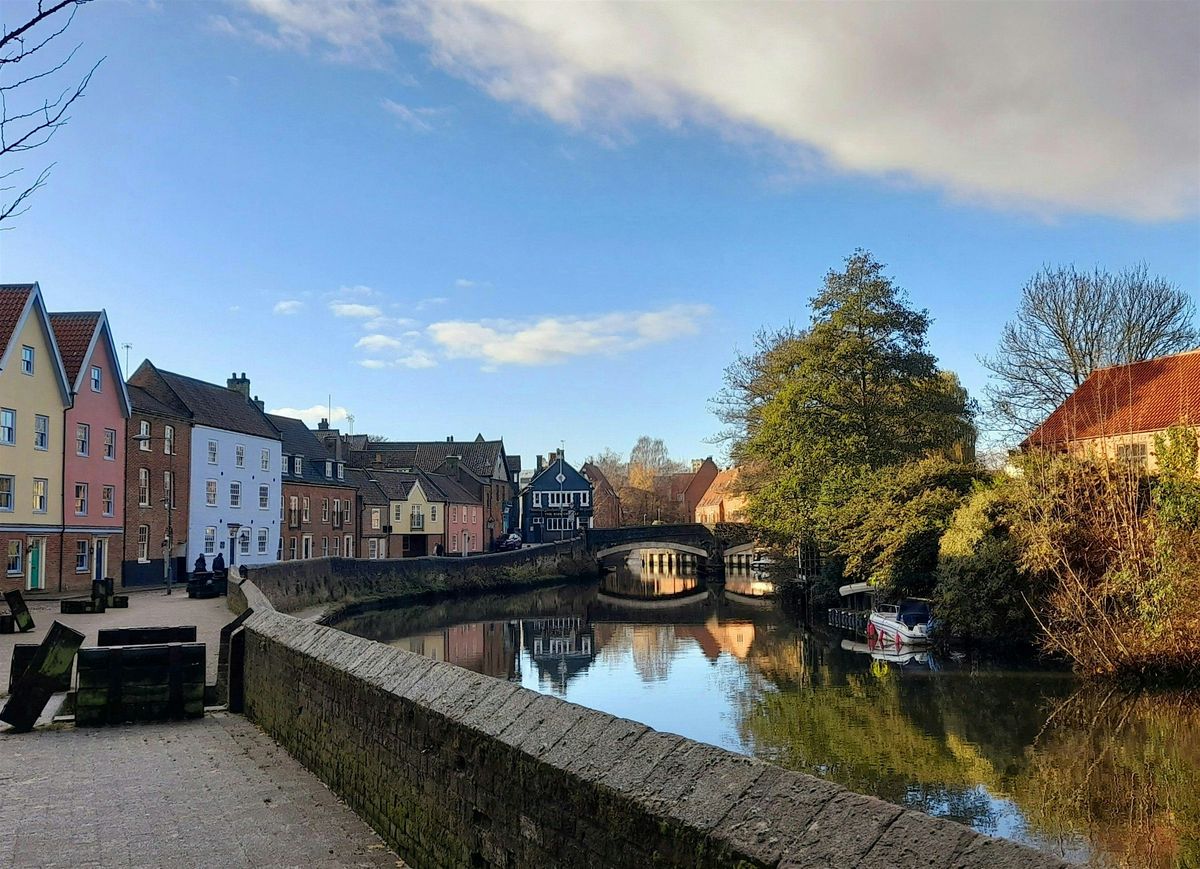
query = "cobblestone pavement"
x=146 y=609
x=215 y=791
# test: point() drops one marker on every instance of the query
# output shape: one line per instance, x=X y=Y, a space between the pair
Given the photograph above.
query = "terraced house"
x=34 y=399
x=319 y=503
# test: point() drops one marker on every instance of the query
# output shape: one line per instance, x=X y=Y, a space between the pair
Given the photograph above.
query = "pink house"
x=464 y=516
x=94 y=462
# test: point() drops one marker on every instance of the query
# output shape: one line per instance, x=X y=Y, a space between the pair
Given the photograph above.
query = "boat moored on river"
x=903 y=624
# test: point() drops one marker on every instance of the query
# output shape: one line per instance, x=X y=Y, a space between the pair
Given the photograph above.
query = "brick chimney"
x=323 y=425
x=541 y=464
x=452 y=463
x=239 y=384
x=450 y=439
x=258 y=402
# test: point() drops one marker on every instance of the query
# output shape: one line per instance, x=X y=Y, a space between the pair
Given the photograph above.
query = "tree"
x=648 y=461
x=1070 y=323
x=859 y=390
x=28 y=121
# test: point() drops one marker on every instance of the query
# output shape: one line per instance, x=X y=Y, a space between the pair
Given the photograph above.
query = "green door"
x=35 y=564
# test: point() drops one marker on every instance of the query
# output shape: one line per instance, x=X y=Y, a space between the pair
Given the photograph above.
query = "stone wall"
x=296 y=585
x=454 y=768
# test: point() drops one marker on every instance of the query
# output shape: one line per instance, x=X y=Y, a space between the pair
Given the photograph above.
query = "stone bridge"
x=710 y=547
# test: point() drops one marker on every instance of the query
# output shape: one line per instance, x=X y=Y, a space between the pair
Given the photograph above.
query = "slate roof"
x=394 y=484
x=1141 y=397
x=448 y=488
x=514 y=464
x=299 y=440
x=13 y=298
x=144 y=402
x=219 y=407
x=367 y=488
x=478 y=456
x=73 y=333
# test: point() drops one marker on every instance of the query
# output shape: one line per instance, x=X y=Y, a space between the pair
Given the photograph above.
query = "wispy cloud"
x=413 y=359
x=553 y=340
x=425 y=304
x=377 y=343
x=1044 y=107
x=287 y=307
x=389 y=324
x=354 y=309
x=468 y=284
x=313 y=415
x=419 y=118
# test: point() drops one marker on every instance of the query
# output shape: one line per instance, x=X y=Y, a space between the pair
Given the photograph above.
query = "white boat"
x=762 y=565
x=904 y=624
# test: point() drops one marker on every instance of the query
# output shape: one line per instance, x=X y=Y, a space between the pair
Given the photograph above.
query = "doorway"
x=99 y=557
x=36 y=571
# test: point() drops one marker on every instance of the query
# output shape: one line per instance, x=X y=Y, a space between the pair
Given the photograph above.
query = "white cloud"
x=357 y=290
x=424 y=304
x=467 y=284
x=1048 y=107
x=353 y=309
x=287 y=307
x=386 y=324
x=418 y=118
x=552 y=340
x=372 y=363
x=378 y=343
x=313 y=415
x=412 y=359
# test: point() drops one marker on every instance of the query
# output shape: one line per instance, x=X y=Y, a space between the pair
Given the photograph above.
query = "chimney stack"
x=323 y=425
x=541 y=464
x=258 y=402
x=450 y=439
x=239 y=384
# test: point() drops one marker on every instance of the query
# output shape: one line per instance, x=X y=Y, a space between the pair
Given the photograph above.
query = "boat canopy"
x=856 y=588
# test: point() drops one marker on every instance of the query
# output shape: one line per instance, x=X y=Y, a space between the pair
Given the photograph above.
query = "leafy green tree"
x=812 y=411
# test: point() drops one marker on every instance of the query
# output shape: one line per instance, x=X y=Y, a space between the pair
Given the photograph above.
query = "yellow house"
x=34 y=396
x=417 y=522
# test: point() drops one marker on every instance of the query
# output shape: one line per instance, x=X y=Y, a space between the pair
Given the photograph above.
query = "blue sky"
x=549 y=226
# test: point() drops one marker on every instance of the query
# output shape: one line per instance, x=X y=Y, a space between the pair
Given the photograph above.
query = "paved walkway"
x=215 y=791
x=146 y=609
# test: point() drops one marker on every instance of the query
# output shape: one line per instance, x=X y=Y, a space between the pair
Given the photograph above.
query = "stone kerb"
x=456 y=768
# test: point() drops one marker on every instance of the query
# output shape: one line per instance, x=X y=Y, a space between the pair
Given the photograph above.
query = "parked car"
x=508 y=543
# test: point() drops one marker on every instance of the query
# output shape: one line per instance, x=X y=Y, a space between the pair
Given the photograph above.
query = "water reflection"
x=1023 y=753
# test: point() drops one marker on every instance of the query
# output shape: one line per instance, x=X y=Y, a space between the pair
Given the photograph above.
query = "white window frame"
x=110 y=445
x=235 y=494
x=213 y=452
x=108 y=500
x=239 y=456
x=83 y=559
x=44 y=498
x=96 y=377
x=169 y=440
x=292 y=549
x=374 y=518
x=11 y=492
x=299 y=463
x=8 y=431
x=346 y=506
x=143 y=487
x=264 y=461
x=143 y=544
x=372 y=548
x=433 y=512
x=144 y=433
x=81 y=499
x=83 y=439
x=263 y=540
x=264 y=497
x=324 y=509
x=305 y=515
x=244 y=541
x=169 y=489
x=41 y=435
x=210 y=493
x=27 y=360
x=210 y=540
x=348 y=547
x=16 y=557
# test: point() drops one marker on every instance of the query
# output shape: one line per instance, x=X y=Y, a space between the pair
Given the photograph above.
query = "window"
x=210 y=493
x=264 y=497
x=27 y=360
x=433 y=512
x=453 y=514
x=95 y=374
x=110 y=444
x=108 y=496
x=537 y=499
x=81 y=556
x=262 y=541
x=143 y=543
x=143 y=487
x=454 y=543
x=41 y=432
x=299 y=460
x=292 y=549
x=328 y=468
x=169 y=439
x=346 y=512
x=210 y=540
x=244 y=541
x=144 y=434
x=239 y=456
x=212 y=452
x=83 y=436
x=324 y=547
x=8 y=426
x=81 y=499
x=474 y=515
x=375 y=519
x=40 y=488
x=397 y=512
x=418 y=520
x=583 y=499
x=372 y=548
x=348 y=549
x=324 y=509
x=553 y=524
x=304 y=511
x=235 y=494
x=341 y=471
x=7 y=493
x=14 y=567
x=169 y=490
x=293 y=511
x=264 y=460
x=337 y=546
x=1133 y=455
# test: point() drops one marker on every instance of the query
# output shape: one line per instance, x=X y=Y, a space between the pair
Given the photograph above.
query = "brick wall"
x=295 y=585
x=155 y=515
x=454 y=768
x=321 y=529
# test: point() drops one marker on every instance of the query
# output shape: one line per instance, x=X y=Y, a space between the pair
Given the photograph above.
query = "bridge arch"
x=651 y=544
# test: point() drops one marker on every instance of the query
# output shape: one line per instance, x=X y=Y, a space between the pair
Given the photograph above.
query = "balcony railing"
x=418 y=523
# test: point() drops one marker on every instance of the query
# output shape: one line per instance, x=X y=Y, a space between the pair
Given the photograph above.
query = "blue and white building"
x=557 y=503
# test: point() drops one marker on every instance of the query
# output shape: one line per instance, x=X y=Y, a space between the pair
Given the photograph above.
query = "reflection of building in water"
x=715 y=637
x=740 y=580
x=429 y=645
x=490 y=648
x=651 y=573
x=560 y=647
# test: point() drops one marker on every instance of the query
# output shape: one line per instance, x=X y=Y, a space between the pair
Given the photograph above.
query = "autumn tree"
x=1071 y=322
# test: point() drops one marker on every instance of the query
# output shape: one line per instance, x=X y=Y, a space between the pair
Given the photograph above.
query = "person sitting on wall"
x=201 y=566
x=219 y=563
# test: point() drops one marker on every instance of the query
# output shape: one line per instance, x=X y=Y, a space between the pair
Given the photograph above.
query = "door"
x=37 y=546
x=99 y=561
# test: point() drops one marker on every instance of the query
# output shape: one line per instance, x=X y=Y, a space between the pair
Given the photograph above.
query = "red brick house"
x=320 y=513
x=606 y=510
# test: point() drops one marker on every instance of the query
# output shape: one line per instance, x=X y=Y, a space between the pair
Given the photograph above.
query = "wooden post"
x=53 y=659
x=16 y=603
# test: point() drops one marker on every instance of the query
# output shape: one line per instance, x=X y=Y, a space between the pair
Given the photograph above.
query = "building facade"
x=557 y=504
x=723 y=502
x=34 y=398
x=372 y=512
x=319 y=503
x=606 y=504
x=94 y=459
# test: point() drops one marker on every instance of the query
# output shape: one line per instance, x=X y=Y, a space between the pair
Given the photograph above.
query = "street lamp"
x=169 y=503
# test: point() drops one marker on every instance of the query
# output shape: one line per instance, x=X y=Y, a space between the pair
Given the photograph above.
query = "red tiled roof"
x=722 y=486
x=1141 y=397
x=73 y=332
x=12 y=304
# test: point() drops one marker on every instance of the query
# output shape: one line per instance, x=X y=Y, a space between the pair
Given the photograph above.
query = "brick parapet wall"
x=454 y=768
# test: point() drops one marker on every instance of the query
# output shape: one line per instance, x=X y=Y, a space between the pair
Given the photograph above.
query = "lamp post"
x=169 y=503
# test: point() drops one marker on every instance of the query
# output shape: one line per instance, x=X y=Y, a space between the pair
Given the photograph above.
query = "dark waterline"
x=1025 y=753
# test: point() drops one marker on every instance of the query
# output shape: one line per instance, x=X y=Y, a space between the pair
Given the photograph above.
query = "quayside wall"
x=454 y=768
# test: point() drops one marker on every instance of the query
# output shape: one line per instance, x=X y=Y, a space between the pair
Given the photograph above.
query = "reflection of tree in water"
x=1080 y=764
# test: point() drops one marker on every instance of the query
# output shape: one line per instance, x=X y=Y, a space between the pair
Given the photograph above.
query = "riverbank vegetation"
x=853 y=442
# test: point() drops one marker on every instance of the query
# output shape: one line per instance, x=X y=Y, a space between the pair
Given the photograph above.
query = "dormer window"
x=328 y=469
x=341 y=471
x=299 y=461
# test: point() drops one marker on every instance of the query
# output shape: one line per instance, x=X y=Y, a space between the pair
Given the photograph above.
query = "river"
x=1095 y=775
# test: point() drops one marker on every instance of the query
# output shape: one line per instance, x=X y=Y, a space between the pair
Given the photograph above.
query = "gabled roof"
x=478 y=456
x=367 y=488
x=144 y=402
x=447 y=488
x=548 y=478
x=17 y=303
x=396 y=485
x=208 y=403
x=722 y=487
x=1141 y=397
x=299 y=440
x=596 y=477
x=514 y=464
x=77 y=334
